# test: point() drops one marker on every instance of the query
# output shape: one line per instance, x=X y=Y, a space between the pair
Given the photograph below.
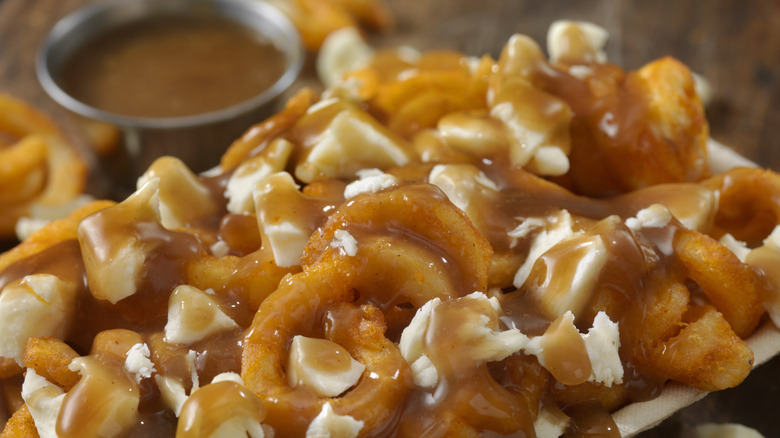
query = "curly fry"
x=65 y=170
x=256 y=138
x=733 y=287
x=749 y=208
x=20 y=425
x=373 y=400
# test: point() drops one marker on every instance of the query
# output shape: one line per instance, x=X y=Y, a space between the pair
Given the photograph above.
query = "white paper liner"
x=722 y=158
x=765 y=342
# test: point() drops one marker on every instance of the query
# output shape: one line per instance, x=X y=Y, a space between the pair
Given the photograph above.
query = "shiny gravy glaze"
x=172 y=66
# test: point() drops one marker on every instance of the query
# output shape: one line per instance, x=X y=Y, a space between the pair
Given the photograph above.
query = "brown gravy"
x=172 y=66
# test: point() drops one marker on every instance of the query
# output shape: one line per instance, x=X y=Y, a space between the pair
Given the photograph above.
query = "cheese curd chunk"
x=103 y=403
x=352 y=140
x=113 y=252
x=465 y=185
x=224 y=408
x=556 y=228
x=459 y=337
x=371 y=181
x=576 y=41
x=485 y=343
x=39 y=305
x=183 y=199
x=344 y=50
x=328 y=424
x=284 y=217
x=44 y=399
x=193 y=315
x=138 y=363
x=322 y=365
x=241 y=185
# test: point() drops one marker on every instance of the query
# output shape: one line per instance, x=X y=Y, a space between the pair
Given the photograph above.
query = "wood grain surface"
x=734 y=44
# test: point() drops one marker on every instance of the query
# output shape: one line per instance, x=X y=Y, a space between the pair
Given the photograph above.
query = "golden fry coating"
x=42 y=168
x=50 y=359
x=20 y=425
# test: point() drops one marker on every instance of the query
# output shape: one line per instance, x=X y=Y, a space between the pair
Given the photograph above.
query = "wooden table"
x=735 y=44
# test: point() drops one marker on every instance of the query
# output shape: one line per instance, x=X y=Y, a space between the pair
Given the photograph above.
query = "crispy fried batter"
x=50 y=358
x=631 y=130
x=53 y=233
x=20 y=425
x=256 y=138
x=732 y=287
x=41 y=169
x=706 y=353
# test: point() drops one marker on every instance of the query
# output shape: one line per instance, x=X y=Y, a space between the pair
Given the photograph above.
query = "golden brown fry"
x=66 y=170
x=256 y=138
x=748 y=208
x=705 y=353
x=22 y=170
x=426 y=214
x=635 y=129
x=50 y=358
x=20 y=425
x=374 y=400
x=53 y=233
x=733 y=287
x=9 y=368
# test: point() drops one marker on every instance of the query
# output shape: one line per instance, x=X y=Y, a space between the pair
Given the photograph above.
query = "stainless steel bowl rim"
x=80 y=18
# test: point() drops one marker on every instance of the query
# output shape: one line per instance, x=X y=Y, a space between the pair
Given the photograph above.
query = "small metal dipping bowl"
x=198 y=140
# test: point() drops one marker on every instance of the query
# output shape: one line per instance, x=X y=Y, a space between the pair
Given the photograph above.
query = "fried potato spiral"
x=39 y=169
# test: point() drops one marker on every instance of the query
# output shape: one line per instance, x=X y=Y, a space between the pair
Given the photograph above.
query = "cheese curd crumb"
x=138 y=363
x=654 y=216
x=371 y=181
x=345 y=242
x=328 y=424
x=602 y=343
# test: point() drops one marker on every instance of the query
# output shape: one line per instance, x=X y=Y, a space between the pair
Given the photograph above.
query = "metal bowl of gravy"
x=175 y=77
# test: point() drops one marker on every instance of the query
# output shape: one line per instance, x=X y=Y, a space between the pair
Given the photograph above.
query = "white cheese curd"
x=550 y=423
x=193 y=315
x=138 y=363
x=560 y=228
x=654 y=216
x=371 y=181
x=242 y=182
x=602 y=343
x=39 y=305
x=328 y=424
x=595 y=37
x=345 y=241
x=44 y=400
x=322 y=366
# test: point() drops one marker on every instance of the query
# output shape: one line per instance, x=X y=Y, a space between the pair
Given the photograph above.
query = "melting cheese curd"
x=438 y=245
